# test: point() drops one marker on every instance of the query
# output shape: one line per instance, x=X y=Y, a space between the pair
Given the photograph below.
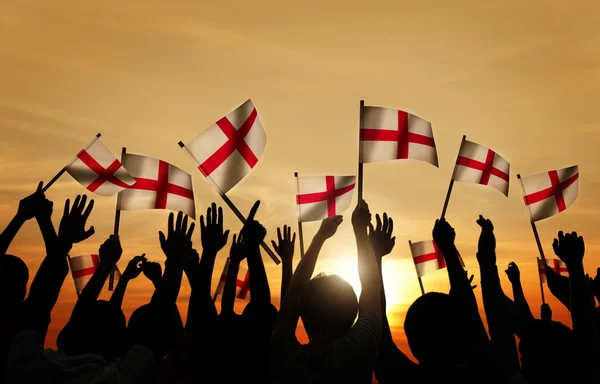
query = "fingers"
x=190 y=231
x=385 y=222
x=294 y=239
x=378 y=220
x=556 y=247
x=162 y=239
x=208 y=215
x=220 y=217
x=82 y=204
x=67 y=207
x=226 y=235
x=561 y=236
x=371 y=228
x=40 y=186
x=214 y=212
x=76 y=203
x=179 y=221
x=202 y=225
x=88 y=210
x=390 y=226
x=274 y=244
x=89 y=233
x=171 y=220
x=279 y=237
x=253 y=210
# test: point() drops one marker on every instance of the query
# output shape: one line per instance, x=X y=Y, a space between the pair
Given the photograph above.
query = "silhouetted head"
x=100 y=330
x=144 y=328
x=548 y=352
x=14 y=276
x=328 y=307
x=437 y=330
x=546 y=312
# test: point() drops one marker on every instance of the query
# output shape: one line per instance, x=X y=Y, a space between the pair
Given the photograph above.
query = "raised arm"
x=236 y=255
x=133 y=270
x=559 y=287
x=514 y=276
x=213 y=240
x=254 y=233
x=285 y=249
x=570 y=248
x=496 y=307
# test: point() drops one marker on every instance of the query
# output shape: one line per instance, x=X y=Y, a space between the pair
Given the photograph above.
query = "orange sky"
x=521 y=77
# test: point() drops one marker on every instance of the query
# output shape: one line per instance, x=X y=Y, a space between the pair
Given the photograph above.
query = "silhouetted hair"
x=14 y=276
x=144 y=323
x=100 y=330
x=437 y=330
x=328 y=307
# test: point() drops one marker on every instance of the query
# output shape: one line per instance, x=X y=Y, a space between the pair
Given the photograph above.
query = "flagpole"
x=231 y=205
x=111 y=279
x=534 y=228
x=60 y=173
x=300 y=233
x=416 y=270
x=541 y=284
x=360 y=151
x=452 y=181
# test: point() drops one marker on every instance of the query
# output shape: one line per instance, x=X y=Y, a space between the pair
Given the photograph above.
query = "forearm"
x=117 y=297
x=48 y=234
x=10 y=232
x=519 y=298
x=259 y=283
x=286 y=276
x=368 y=273
x=167 y=293
x=582 y=309
x=228 y=298
x=456 y=272
x=206 y=266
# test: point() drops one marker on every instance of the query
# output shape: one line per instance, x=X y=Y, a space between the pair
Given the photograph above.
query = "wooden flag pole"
x=418 y=277
x=360 y=151
x=231 y=205
x=452 y=181
x=534 y=228
x=111 y=279
x=60 y=173
x=541 y=283
x=300 y=233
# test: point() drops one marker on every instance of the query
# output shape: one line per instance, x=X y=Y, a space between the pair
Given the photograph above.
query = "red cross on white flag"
x=427 y=257
x=558 y=266
x=83 y=267
x=549 y=193
x=242 y=284
x=320 y=197
x=480 y=165
x=390 y=134
x=98 y=170
x=228 y=150
x=158 y=185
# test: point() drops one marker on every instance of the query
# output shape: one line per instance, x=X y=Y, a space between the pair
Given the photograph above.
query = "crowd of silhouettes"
x=350 y=340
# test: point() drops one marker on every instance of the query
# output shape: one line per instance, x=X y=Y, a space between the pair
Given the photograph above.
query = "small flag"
x=320 y=197
x=480 y=165
x=427 y=257
x=229 y=149
x=84 y=267
x=242 y=284
x=559 y=268
x=390 y=134
x=549 y=193
x=98 y=170
x=158 y=185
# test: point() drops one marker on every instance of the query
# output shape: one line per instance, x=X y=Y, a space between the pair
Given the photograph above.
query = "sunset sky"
x=520 y=77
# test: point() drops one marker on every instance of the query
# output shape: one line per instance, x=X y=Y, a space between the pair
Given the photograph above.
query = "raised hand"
x=487 y=242
x=570 y=248
x=285 y=244
x=471 y=280
x=237 y=253
x=443 y=234
x=72 y=225
x=177 y=245
x=134 y=267
x=361 y=216
x=253 y=232
x=513 y=273
x=32 y=205
x=212 y=235
x=110 y=251
x=381 y=236
x=153 y=271
x=329 y=226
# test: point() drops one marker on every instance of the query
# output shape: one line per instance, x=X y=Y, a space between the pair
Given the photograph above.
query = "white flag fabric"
x=320 y=197
x=83 y=267
x=549 y=193
x=557 y=265
x=158 y=185
x=98 y=170
x=427 y=257
x=242 y=284
x=390 y=134
x=480 y=165
x=230 y=148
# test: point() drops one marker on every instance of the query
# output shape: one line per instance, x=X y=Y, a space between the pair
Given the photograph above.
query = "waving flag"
x=390 y=134
x=229 y=149
x=98 y=170
x=242 y=284
x=480 y=165
x=84 y=267
x=558 y=266
x=549 y=193
x=158 y=185
x=427 y=257
x=320 y=197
